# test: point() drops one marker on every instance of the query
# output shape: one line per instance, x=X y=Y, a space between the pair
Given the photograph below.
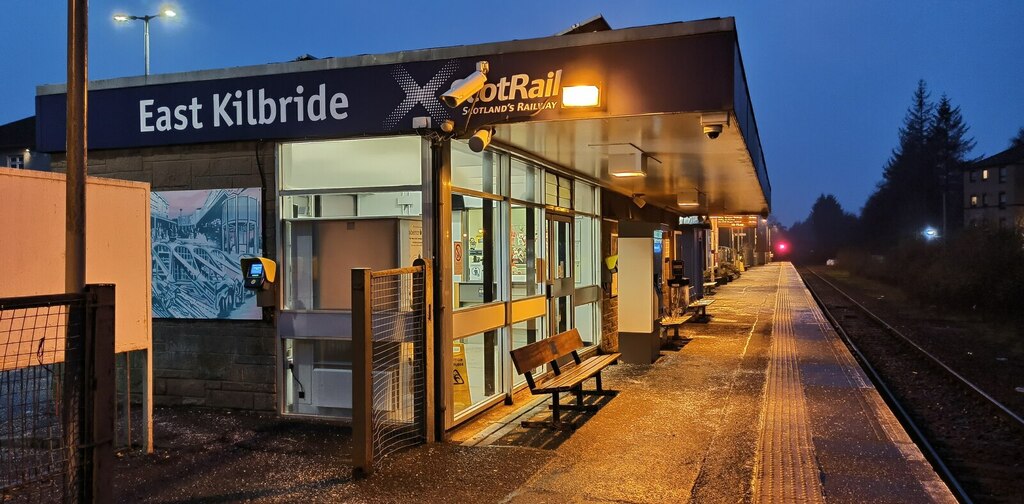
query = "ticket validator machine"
x=260 y=274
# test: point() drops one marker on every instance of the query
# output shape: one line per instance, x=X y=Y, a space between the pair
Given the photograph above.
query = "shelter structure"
x=514 y=195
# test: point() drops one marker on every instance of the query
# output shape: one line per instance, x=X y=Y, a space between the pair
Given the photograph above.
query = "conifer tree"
x=1018 y=140
x=948 y=147
x=900 y=204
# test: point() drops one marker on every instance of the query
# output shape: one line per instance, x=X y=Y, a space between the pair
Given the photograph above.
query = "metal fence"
x=392 y=351
x=56 y=368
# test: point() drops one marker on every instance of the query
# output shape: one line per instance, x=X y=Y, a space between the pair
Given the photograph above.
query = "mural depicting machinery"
x=198 y=238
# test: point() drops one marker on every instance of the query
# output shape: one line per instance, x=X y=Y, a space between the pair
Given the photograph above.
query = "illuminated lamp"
x=633 y=164
x=581 y=96
x=694 y=199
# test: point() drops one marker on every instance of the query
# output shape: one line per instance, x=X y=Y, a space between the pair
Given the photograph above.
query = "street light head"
x=169 y=13
x=121 y=17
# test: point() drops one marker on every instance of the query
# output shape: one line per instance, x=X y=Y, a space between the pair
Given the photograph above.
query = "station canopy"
x=643 y=97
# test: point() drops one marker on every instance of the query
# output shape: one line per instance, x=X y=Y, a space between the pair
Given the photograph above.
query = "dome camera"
x=712 y=131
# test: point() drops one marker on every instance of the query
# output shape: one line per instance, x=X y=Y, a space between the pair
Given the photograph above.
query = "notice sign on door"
x=457 y=255
x=461 y=396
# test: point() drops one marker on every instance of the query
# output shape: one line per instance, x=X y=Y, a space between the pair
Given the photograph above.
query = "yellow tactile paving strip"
x=785 y=469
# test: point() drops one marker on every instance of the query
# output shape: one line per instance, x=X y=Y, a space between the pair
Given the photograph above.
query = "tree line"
x=921 y=186
x=911 y=229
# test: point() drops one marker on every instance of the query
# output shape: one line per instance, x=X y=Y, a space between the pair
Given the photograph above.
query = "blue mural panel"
x=198 y=238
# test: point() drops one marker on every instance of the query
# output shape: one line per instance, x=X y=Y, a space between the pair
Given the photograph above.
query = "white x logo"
x=425 y=95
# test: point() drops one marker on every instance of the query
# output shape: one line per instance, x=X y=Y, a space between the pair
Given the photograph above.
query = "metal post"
x=362 y=381
x=97 y=436
x=441 y=164
x=77 y=110
x=145 y=36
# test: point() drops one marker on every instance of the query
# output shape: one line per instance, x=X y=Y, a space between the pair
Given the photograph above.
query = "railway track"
x=974 y=442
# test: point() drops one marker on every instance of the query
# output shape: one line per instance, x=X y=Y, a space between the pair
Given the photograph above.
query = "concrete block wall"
x=215 y=363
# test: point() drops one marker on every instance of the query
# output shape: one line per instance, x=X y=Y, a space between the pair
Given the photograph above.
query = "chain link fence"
x=392 y=377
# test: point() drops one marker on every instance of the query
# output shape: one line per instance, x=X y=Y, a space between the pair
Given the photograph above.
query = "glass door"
x=560 y=272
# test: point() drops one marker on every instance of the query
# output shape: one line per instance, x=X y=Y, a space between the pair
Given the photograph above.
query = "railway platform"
x=764 y=403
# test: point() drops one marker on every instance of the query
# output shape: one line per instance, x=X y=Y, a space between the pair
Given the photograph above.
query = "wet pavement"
x=761 y=404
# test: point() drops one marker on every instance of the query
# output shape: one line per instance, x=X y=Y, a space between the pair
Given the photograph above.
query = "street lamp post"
x=145 y=27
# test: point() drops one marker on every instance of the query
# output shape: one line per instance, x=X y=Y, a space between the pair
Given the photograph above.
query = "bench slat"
x=546 y=350
x=573 y=376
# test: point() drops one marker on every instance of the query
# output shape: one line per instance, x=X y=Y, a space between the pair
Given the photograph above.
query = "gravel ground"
x=218 y=456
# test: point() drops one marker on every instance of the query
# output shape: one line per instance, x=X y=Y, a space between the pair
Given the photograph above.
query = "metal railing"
x=392 y=382
x=56 y=396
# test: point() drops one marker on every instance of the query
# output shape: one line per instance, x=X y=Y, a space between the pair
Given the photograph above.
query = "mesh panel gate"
x=56 y=391
x=392 y=348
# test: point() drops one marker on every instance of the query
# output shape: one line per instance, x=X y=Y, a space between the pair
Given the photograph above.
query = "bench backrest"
x=537 y=354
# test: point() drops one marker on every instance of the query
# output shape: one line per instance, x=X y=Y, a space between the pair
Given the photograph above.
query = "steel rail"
x=896 y=332
x=922 y=441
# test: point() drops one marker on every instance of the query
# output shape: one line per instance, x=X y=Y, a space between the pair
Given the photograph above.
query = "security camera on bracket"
x=464 y=89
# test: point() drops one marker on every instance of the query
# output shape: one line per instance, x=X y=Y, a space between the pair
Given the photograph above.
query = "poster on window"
x=198 y=238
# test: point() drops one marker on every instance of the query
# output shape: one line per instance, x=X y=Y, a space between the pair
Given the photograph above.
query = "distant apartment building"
x=994 y=190
x=18 y=146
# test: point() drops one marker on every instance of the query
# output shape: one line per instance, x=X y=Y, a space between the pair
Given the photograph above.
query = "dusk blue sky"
x=830 y=80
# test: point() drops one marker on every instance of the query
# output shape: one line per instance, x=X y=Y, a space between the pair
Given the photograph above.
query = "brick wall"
x=609 y=305
x=218 y=363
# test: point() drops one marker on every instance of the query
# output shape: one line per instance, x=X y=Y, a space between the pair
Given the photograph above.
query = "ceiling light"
x=581 y=96
x=690 y=199
x=634 y=164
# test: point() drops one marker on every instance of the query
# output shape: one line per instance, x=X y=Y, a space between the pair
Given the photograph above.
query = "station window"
x=972 y=175
x=1002 y=174
x=477 y=363
x=974 y=200
x=984 y=174
x=343 y=204
x=476 y=265
x=527 y=251
x=16 y=161
x=557 y=190
x=984 y=199
x=1002 y=200
x=335 y=193
x=526 y=181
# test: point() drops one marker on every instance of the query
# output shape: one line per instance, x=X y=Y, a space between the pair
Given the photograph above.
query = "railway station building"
x=516 y=195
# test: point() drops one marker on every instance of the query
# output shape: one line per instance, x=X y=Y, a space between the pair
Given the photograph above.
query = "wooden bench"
x=700 y=309
x=674 y=323
x=567 y=377
x=710 y=287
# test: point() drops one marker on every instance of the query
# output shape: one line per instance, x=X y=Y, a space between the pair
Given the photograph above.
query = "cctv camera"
x=714 y=123
x=712 y=131
x=481 y=139
x=464 y=89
